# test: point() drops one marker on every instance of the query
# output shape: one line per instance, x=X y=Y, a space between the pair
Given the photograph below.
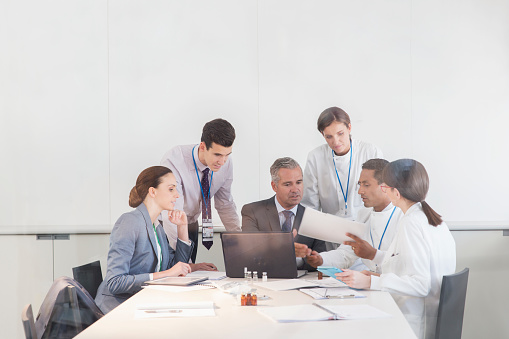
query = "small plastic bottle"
x=248 y=299
x=320 y=275
x=255 y=276
x=243 y=299
x=249 y=277
x=254 y=299
x=264 y=276
x=246 y=277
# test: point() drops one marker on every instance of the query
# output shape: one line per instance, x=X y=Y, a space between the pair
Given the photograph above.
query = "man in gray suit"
x=283 y=212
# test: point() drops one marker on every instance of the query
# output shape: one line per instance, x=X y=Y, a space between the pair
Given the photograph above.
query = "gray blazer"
x=132 y=256
x=262 y=216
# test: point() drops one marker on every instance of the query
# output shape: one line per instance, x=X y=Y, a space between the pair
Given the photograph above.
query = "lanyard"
x=345 y=196
x=199 y=181
x=157 y=238
x=382 y=238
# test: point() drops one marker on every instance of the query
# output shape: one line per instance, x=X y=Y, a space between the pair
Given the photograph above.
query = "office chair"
x=27 y=317
x=89 y=276
x=452 y=305
x=67 y=310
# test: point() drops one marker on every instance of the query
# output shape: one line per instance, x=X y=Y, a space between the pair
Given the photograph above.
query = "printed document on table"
x=329 y=227
x=175 y=310
x=332 y=293
x=211 y=275
x=286 y=284
x=317 y=312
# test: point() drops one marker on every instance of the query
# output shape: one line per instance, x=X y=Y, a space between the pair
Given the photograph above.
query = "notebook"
x=271 y=252
x=176 y=281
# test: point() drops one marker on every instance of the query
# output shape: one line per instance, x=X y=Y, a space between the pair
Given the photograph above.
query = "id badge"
x=207 y=230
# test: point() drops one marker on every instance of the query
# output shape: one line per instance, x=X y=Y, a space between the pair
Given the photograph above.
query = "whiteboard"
x=91 y=93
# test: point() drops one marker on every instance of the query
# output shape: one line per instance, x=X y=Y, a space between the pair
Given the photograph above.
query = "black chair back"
x=452 y=305
x=89 y=276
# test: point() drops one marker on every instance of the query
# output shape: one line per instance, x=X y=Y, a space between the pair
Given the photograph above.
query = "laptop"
x=271 y=252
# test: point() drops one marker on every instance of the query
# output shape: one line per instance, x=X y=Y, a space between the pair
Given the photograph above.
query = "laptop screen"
x=271 y=252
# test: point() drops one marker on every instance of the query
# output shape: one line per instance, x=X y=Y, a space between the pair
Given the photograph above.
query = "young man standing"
x=203 y=171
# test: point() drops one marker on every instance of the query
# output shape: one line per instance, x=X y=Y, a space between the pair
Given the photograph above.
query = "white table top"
x=235 y=321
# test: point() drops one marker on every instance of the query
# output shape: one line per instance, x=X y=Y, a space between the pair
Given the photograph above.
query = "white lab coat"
x=344 y=256
x=322 y=191
x=413 y=267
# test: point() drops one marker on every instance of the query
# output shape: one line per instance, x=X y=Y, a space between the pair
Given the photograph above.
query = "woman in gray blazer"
x=139 y=249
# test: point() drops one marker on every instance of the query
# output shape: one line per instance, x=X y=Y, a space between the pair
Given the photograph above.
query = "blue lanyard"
x=199 y=181
x=345 y=196
x=382 y=238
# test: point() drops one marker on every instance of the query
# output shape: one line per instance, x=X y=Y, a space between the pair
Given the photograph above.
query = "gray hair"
x=285 y=162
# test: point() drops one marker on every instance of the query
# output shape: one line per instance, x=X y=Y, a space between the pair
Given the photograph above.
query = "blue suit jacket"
x=133 y=256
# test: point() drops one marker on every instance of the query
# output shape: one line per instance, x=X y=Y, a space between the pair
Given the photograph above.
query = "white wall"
x=92 y=92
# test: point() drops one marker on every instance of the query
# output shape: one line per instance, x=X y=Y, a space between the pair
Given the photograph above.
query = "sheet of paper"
x=212 y=275
x=356 y=311
x=329 y=227
x=287 y=284
x=176 y=305
x=332 y=293
x=141 y=314
x=330 y=282
x=296 y=313
x=177 y=289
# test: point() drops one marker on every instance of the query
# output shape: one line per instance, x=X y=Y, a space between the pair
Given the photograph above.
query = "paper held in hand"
x=329 y=227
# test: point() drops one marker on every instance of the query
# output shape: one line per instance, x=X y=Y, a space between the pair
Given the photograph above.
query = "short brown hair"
x=218 y=131
x=376 y=165
x=150 y=177
x=331 y=115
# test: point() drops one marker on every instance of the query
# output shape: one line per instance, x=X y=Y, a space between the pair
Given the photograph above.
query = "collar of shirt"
x=199 y=164
x=386 y=209
x=281 y=209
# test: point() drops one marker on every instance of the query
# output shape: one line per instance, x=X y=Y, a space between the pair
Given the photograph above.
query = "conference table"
x=245 y=322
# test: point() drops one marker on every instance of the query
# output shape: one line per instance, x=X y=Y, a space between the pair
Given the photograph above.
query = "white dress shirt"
x=180 y=160
x=322 y=191
x=413 y=267
x=344 y=256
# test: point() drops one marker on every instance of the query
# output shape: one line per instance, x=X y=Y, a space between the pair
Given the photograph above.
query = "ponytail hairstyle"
x=150 y=177
x=411 y=179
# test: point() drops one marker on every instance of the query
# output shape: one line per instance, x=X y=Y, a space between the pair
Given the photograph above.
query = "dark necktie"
x=207 y=238
x=287 y=225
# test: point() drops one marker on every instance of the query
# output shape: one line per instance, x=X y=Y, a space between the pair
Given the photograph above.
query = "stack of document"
x=317 y=312
x=178 y=310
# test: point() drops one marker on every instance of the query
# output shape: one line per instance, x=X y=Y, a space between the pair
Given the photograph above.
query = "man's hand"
x=314 y=259
x=361 y=248
x=301 y=250
x=203 y=266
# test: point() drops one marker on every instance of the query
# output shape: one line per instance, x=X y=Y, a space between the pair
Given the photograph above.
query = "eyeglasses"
x=384 y=188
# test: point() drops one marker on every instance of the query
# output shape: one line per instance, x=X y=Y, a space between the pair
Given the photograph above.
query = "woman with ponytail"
x=139 y=249
x=422 y=252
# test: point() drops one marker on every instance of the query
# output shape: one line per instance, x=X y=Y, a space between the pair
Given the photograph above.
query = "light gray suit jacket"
x=262 y=216
x=133 y=256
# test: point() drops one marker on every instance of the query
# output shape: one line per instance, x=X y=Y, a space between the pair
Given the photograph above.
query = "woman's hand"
x=180 y=269
x=177 y=217
x=354 y=279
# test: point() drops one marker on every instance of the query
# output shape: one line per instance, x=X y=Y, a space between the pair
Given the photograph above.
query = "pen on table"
x=163 y=311
x=340 y=296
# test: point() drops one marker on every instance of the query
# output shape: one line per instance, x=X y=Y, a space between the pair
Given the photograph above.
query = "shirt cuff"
x=150 y=276
x=379 y=257
x=299 y=261
x=375 y=283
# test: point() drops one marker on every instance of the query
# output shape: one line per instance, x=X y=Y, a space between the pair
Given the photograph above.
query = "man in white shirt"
x=283 y=212
x=204 y=171
x=382 y=219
